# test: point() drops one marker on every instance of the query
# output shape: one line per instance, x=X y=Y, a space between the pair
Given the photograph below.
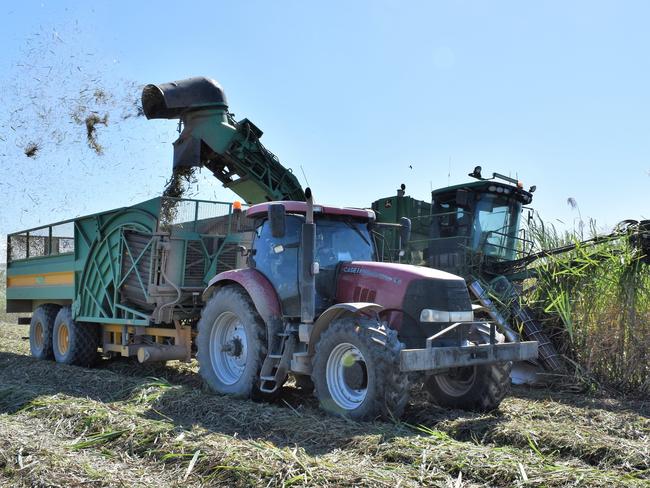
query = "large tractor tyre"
x=475 y=388
x=74 y=342
x=40 y=331
x=356 y=371
x=231 y=344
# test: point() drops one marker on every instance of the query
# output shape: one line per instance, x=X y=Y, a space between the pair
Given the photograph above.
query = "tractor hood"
x=403 y=290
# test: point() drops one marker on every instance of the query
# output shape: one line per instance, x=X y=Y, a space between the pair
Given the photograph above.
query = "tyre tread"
x=84 y=340
x=49 y=312
x=230 y=294
x=392 y=391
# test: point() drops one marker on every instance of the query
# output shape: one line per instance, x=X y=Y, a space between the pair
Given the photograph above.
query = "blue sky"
x=555 y=93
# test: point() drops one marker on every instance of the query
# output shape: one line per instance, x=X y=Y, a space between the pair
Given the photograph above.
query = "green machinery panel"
x=134 y=265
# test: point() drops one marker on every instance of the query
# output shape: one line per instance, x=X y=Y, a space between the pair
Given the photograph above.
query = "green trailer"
x=135 y=274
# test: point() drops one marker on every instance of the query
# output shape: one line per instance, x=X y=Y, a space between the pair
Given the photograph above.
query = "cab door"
x=277 y=259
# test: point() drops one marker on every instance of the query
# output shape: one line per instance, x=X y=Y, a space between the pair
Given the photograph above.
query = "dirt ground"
x=122 y=424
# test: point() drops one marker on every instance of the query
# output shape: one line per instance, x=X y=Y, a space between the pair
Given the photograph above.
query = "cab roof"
x=261 y=209
x=487 y=186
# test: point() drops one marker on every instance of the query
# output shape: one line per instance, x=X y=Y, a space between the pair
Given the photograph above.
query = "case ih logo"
x=371 y=273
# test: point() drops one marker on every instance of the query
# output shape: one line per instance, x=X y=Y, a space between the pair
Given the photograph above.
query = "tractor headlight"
x=430 y=315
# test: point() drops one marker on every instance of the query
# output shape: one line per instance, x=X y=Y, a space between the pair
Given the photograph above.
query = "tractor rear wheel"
x=74 y=342
x=231 y=343
x=356 y=370
x=40 y=331
x=476 y=388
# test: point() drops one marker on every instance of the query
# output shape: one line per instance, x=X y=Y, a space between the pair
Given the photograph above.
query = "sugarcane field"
x=325 y=244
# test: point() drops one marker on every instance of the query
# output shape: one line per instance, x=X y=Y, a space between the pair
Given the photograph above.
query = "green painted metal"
x=240 y=161
x=44 y=264
x=100 y=250
x=391 y=210
x=53 y=292
x=211 y=137
x=104 y=260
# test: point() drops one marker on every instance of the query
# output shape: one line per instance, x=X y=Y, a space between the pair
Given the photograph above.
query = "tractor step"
x=276 y=366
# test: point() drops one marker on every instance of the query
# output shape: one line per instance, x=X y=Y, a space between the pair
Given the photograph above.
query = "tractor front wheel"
x=477 y=388
x=231 y=343
x=356 y=370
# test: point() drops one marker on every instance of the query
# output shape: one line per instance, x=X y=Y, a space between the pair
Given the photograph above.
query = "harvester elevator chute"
x=211 y=137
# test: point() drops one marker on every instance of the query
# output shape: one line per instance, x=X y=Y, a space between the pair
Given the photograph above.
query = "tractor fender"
x=258 y=287
x=334 y=312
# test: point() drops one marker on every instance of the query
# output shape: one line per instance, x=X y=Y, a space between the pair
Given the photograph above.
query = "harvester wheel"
x=356 y=370
x=74 y=342
x=231 y=343
x=40 y=331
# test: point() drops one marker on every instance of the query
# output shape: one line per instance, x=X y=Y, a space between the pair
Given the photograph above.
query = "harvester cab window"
x=451 y=220
x=496 y=226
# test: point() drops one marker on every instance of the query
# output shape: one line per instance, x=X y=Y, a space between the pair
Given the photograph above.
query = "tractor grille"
x=363 y=294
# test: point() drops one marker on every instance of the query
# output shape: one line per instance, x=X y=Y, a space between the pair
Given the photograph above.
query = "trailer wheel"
x=74 y=342
x=231 y=343
x=40 y=331
x=477 y=388
x=356 y=370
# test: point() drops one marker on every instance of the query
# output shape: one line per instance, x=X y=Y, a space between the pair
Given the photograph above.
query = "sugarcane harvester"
x=302 y=294
x=474 y=230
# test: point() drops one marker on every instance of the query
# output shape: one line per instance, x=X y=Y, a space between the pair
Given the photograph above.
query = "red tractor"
x=313 y=302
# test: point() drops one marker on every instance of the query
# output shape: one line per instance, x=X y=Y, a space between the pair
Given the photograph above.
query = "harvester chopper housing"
x=293 y=288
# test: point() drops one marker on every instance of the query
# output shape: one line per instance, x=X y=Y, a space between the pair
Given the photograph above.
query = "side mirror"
x=404 y=230
x=277 y=217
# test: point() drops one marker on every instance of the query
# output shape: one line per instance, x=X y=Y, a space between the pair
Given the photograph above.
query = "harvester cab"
x=466 y=229
x=477 y=224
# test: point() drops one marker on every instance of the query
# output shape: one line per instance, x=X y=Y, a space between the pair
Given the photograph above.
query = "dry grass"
x=122 y=424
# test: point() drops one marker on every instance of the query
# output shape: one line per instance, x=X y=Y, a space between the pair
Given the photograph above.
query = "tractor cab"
x=341 y=235
x=476 y=224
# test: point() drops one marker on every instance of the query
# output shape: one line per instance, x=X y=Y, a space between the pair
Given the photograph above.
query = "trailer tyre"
x=477 y=388
x=40 y=331
x=74 y=342
x=231 y=345
x=356 y=370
